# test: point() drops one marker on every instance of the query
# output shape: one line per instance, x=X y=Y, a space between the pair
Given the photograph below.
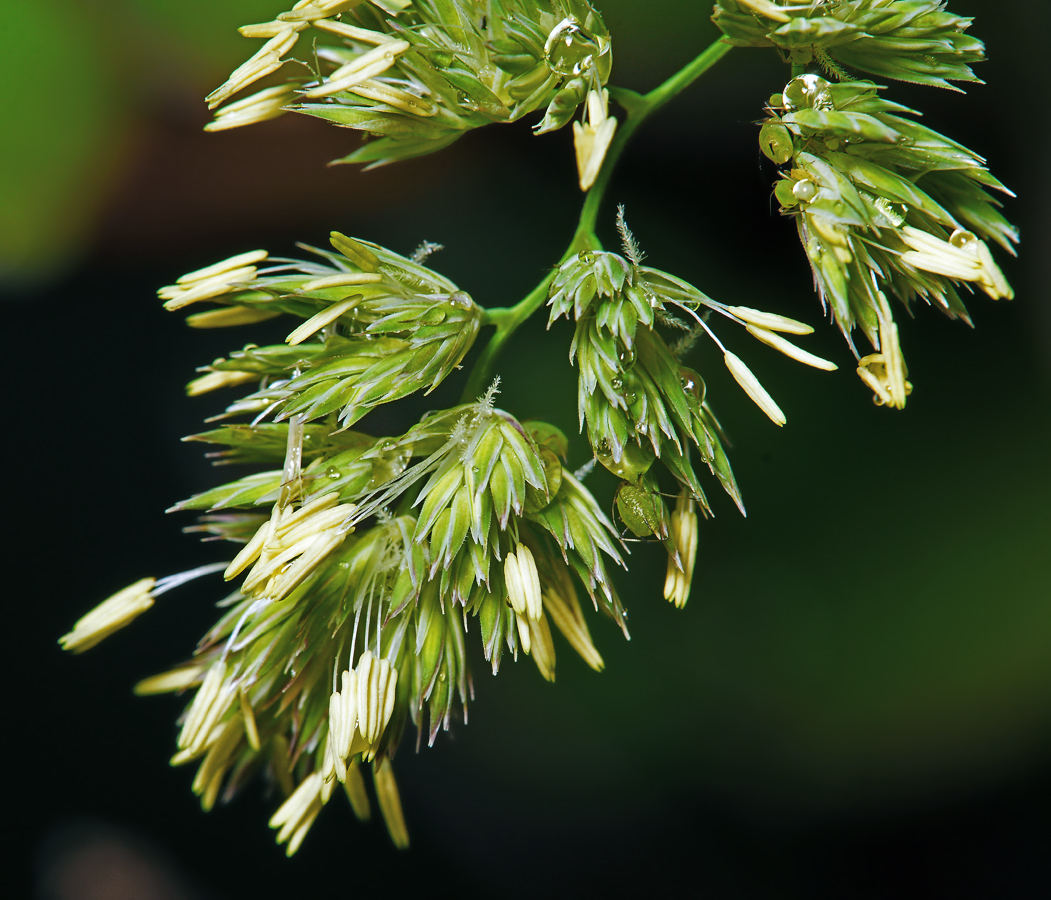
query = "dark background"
x=856 y=701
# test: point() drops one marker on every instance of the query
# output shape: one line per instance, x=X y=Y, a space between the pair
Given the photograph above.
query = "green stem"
x=638 y=108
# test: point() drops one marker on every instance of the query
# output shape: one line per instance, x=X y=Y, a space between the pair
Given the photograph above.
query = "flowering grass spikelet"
x=109 y=616
x=882 y=204
x=366 y=552
x=917 y=41
x=638 y=400
x=592 y=139
x=681 y=564
x=415 y=77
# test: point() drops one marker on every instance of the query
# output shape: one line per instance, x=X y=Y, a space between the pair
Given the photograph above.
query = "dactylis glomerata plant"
x=365 y=558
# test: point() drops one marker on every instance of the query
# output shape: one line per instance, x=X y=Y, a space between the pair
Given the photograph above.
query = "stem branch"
x=638 y=108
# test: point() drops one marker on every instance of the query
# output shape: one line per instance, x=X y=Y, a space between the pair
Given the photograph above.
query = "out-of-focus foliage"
x=126 y=62
x=100 y=62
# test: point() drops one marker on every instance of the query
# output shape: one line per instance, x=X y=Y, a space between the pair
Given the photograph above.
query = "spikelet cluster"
x=917 y=41
x=637 y=399
x=362 y=559
x=376 y=327
x=415 y=77
x=365 y=562
x=883 y=205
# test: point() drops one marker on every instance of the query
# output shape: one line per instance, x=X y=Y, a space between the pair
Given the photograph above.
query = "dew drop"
x=570 y=49
x=332 y=472
x=808 y=90
x=389 y=445
x=963 y=240
x=461 y=299
x=626 y=357
x=617 y=383
x=586 y=257
x=804 y=190
x=692 y=383
x=888 y=211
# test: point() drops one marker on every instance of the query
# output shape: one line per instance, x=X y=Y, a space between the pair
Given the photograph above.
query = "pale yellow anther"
x=524 y=636
x=342 y=725
x=770 y=321
x=270 y=577
x=250 y=551
x=895 y=362
x=370 y=64
x=885 y=372
x=352 y=32
x=178 y=296
x=328 y=785
x=992 y=280
x=523 y=582
x=326 y=317
x=259 y=107
x=221 y=268
x=209 y=725
x=320 y=523
x=270 y=29
x=297 y=813
x=109 y=616
x=680 y=567
x=542 y=648
x=214 y=381
x=231 y=316
x=789 y=349
x=217 y=761
x=288 y=549
x=592 y=140
x=744 y=377
x=377 y=682
x=396 y=97
x=293 y=520
x=870 y=368
x=202 y=703
x=268 y=59
x=340 y=280
x=318 y=9
x=963 y=257
x=167 y=682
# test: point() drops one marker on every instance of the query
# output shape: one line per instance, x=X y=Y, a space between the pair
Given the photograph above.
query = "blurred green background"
x=856 y=701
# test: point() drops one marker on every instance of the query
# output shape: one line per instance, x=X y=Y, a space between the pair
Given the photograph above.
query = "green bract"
x=416 y=79
x=882 y=202
x=638 y=401
x=363 y=559
x=378 y=327
x=369 y=557
x=908 y=40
